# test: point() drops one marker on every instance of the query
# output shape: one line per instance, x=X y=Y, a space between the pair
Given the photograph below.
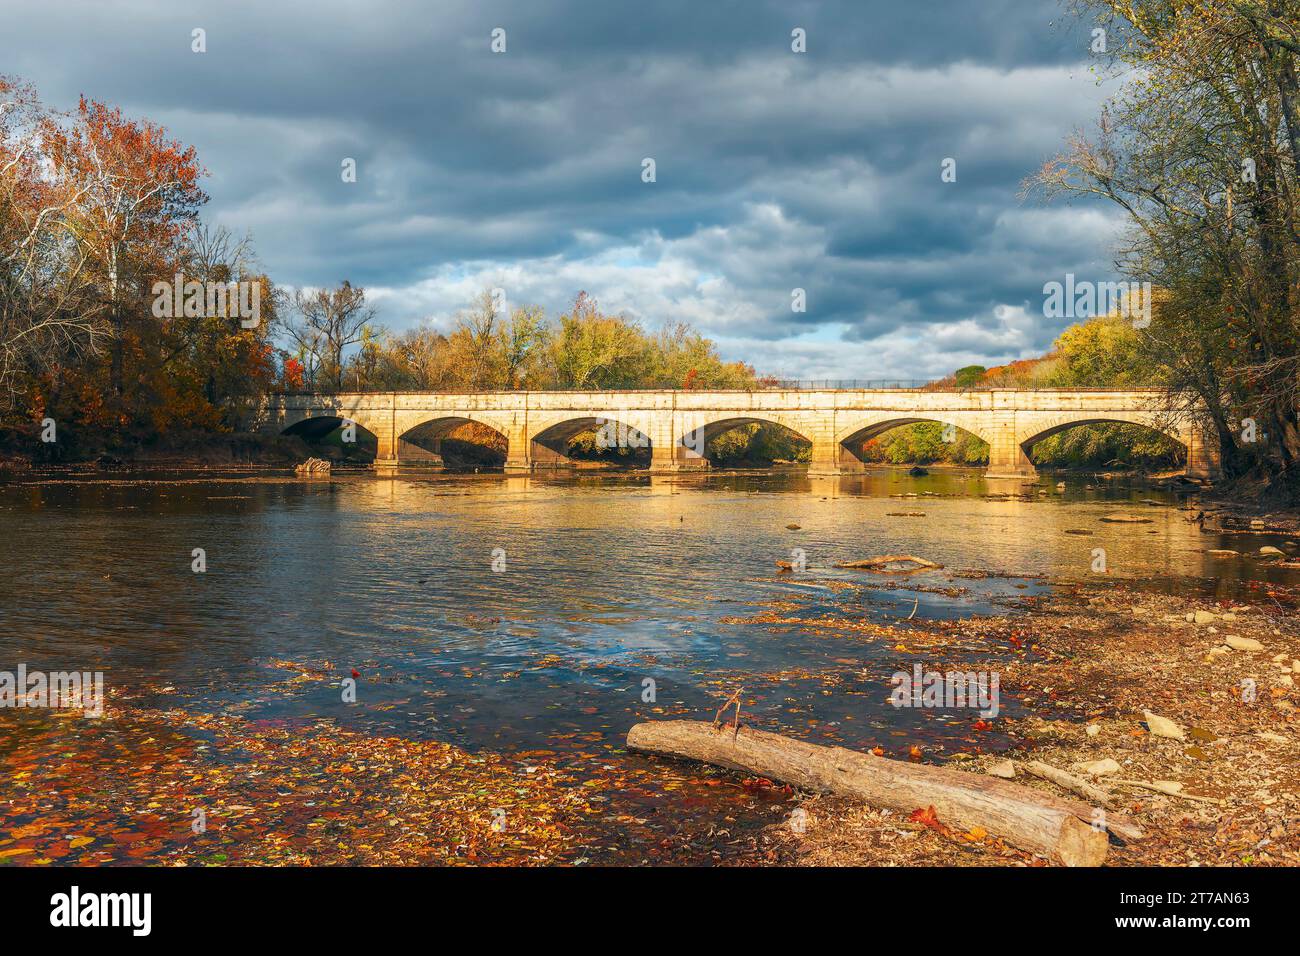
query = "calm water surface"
x=607 y=581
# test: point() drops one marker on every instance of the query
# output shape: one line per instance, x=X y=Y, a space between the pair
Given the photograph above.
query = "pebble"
x=1162 y=726
x=1243 y=643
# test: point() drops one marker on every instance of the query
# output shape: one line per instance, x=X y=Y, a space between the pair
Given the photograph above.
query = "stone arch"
x=314 y=429
x=1035 y=431
x=623 y=435
x=1044 y=427
x=692 y=444
x=847 y=439
x=423 y=441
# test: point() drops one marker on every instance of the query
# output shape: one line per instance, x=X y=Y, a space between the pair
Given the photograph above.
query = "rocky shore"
x=1181 y=708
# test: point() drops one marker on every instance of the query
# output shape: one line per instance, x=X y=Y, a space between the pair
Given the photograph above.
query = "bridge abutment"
x=1202 y=456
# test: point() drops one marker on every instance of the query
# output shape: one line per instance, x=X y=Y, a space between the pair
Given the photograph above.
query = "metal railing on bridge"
x=846 y=384
x=766 y=384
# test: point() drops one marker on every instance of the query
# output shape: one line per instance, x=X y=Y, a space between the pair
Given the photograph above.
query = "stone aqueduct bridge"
x=538 y=425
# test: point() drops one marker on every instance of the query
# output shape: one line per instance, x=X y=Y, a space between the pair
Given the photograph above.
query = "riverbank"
x=186 y=450
x=1104 y=656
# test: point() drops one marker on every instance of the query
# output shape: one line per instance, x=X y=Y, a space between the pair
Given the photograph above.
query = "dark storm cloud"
x=775 y=170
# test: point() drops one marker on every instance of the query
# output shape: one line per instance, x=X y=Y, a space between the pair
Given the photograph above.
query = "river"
x=550 y=613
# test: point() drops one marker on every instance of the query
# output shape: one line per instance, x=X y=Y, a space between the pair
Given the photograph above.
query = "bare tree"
x=49 y=311
x=329 y=322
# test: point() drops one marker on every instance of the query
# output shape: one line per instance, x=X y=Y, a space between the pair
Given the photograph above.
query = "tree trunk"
x=115 y=369
x=1050 y=826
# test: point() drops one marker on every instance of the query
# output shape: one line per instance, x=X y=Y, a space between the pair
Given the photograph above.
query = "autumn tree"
x=1201 y=151
x=521 y=343
x=137 y=194
x=219 y=362
x=475 y=343
x=594 y=350
x=416 y=359
x=678 y=356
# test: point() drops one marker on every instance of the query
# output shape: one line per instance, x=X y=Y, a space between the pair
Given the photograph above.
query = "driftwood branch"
x=1068 y=781
x=1167 y=788
x=881 y=564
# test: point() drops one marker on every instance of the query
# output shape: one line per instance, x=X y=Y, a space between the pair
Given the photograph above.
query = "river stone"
x=1269 y=550
x=1006 y=770
x=1202 y=617
x=1126 y=519
x=1243 y=643
x=1098 y=768
x=1162 y=726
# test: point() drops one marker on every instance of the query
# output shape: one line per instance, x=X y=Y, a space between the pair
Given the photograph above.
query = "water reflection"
x=608 y=581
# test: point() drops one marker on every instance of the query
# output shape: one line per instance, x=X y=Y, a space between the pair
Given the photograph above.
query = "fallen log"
x=1050 y=826
x=881 y=563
